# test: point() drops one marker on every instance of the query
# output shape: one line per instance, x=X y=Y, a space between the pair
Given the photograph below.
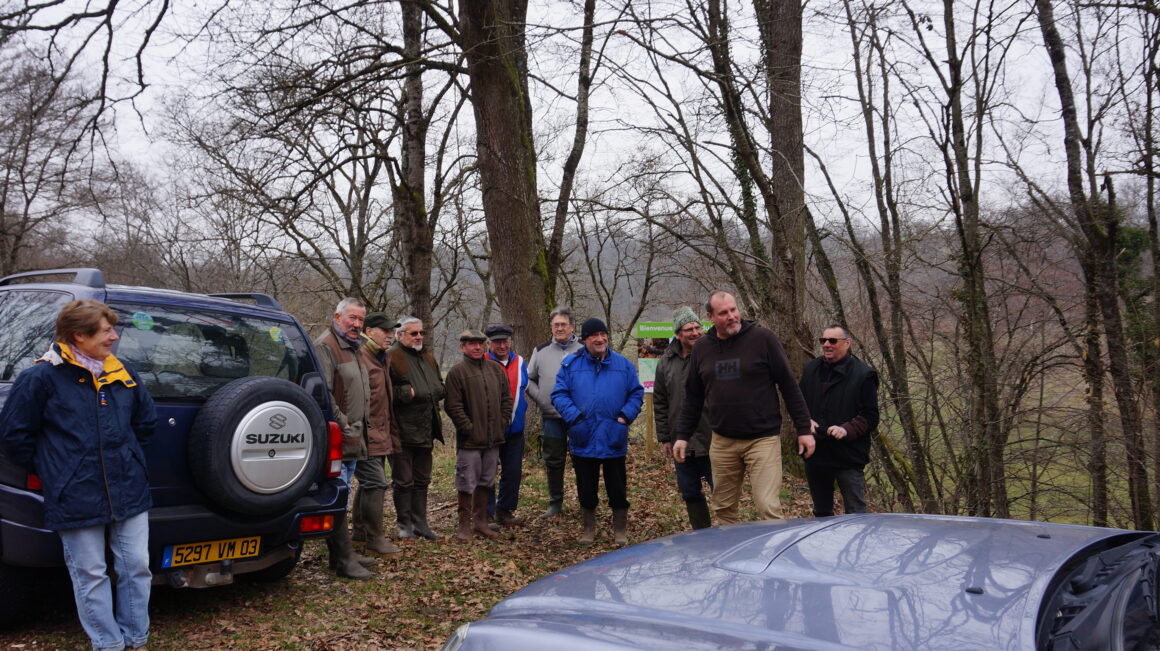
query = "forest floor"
x=417 y=598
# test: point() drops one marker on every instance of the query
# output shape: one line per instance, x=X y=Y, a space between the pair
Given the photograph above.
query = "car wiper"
x=1095 y=600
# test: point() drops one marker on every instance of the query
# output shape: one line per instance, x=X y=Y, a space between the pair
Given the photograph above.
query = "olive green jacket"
x=418 y=389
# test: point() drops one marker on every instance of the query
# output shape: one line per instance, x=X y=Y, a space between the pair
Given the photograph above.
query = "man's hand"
x=667 y=449
x=837 y=431
x=806 y=445
x=679 y=450
x=813 y=426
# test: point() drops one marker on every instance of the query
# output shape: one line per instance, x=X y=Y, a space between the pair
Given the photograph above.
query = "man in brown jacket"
x=382 y=434
x=479 y=403
x=349 y=383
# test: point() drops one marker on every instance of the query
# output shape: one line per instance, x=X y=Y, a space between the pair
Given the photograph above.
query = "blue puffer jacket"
x=590 y=394
x=83 y=438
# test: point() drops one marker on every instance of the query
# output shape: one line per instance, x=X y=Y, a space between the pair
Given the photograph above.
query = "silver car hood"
x=877 y=581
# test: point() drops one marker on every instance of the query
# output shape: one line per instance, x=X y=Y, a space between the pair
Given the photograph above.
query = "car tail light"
x=334 y=453
x=316 y=524
x=32 y=482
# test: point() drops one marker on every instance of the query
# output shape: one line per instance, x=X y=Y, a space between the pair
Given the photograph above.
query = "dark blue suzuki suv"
x=244 y=463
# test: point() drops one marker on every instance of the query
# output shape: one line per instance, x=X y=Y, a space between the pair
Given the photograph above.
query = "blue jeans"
x=511 y=470
x=554 y=428
x=109 y=625
x=689 y=476
x=347 y=472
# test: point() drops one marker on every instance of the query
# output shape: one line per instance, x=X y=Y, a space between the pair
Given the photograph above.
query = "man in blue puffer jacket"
x=598 y=395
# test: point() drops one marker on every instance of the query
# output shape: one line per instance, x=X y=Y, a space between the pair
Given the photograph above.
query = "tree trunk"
x=556 y=253
x=1098 y=229
x=988 y=493
x=492 y=37
x=418 y=233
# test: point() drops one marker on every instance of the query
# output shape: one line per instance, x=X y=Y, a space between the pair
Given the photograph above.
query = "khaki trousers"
x=731 y=458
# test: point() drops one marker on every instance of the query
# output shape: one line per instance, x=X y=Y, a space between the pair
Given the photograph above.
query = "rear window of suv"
x=29 y=322
x=192 y=353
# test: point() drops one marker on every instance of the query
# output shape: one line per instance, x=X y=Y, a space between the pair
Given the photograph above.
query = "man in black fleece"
x=736 y=371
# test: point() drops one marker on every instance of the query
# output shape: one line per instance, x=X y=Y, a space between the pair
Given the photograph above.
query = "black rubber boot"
x=371 y=515
x=419 y=515
x=699 y=514
x=555 y=452
x=346 y=564
x=403 y=518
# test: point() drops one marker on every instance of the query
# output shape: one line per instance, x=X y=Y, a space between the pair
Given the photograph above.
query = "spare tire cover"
x=257 y=445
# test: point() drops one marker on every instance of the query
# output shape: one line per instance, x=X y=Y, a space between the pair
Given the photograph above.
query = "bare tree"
x=1097 y=224
x=44 y=172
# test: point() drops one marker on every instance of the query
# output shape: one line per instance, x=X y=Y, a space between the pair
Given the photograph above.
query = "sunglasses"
x=417 y=333
x=833 y=341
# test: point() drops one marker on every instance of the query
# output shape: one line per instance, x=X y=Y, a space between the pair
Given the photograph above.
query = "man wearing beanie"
x=668 y=396
x=479 y=403
x=542 y=370
x=598 y=395
x=382 y=436
x=736 y=372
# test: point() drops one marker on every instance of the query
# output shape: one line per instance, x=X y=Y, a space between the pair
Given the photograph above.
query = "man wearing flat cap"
x=511 y=453
x=382 y=434
x=598 y=395
x=479 y=403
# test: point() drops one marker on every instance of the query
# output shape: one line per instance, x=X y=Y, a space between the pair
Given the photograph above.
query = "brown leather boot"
x=463 y=533
x=588 y=535
x=479 y=507
x=620 y=526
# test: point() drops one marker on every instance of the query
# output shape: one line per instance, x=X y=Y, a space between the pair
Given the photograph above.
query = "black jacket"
x=738 y=380
x=844 y=394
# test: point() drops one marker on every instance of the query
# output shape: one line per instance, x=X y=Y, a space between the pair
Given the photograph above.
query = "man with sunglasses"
x=842 y=394
x=418 y=390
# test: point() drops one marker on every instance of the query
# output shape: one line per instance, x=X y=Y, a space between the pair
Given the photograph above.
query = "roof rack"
x=264 y=300
x=81 y=276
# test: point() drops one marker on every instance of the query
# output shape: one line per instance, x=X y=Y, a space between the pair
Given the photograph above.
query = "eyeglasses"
x=690 y=329
x=417 y=333
x=833 y=341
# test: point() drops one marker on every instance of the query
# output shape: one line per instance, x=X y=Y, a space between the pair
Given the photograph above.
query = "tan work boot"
x=507 y=518
x=620 y=526
x=588 y=535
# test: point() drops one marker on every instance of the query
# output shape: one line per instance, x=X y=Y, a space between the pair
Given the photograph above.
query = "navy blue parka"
x=82 y=436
